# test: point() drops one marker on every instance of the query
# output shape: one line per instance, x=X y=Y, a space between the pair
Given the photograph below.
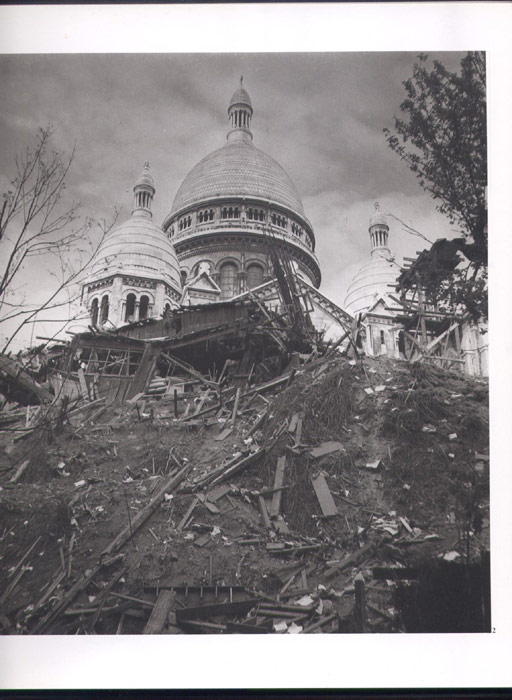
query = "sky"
x=321 y=116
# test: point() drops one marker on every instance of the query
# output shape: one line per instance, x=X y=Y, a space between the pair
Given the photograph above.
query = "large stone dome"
x=238 y=169
x=138 y=247
x=228 y=207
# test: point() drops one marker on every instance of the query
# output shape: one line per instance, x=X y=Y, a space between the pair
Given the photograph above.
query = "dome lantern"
x=240 y=114
x=379 y=231
x=143 y=193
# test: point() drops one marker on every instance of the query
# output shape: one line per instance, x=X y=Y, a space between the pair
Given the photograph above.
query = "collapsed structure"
x=226 y=450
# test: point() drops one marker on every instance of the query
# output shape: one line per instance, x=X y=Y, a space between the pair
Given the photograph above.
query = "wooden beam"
x=235 y=408
x=278 y=483
x=186 y=368
x=324 y=497
x=144 y=514
x=160 y=613
x=239 y=607
x=360 y=613
x=264 y=512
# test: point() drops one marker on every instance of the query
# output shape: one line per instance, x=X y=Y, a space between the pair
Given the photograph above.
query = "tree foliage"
x=442 y=138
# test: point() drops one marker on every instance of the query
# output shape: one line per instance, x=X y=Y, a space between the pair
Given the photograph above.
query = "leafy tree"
x=35 y=221
x=442 y=139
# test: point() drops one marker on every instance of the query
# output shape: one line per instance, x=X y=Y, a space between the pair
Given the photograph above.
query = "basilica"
x=214 y=246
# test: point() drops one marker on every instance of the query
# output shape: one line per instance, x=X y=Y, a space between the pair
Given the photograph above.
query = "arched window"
x=94 y=312
x=183 y=278
x=254 y=276
x=143 y=307
x=104 y=310
x=129 y=314
x=167 y=309
x=227 y=281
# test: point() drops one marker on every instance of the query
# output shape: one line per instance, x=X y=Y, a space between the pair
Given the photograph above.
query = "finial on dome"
x=144 y=191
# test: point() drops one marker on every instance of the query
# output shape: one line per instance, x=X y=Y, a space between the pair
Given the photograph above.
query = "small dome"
x=378 y=218
x=240 y=96
x=137 y=247
x=369 y=283
x=145 y=178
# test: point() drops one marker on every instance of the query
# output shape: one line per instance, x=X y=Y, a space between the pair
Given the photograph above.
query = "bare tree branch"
x=35 y=221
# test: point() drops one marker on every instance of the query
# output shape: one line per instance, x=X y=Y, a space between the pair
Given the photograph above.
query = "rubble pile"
x=319 y=500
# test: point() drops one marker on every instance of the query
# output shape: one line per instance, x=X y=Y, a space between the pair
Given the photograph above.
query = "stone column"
x=242 y=281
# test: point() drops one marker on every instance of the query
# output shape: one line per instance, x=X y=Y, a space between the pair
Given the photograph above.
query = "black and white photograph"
x=244 y=344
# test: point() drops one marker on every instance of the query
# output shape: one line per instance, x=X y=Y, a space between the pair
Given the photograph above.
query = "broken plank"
x=239 y=466
x=202 y=626
x=235 y=408
x=298 y=432
x=160 y=612
x=239 y=607
x=293 y=423
x=324 y=496
x=83 y=384
x=218 y=493
x=132 y=599
x=203 y=540
x=210 y=506
x=23 y=558
x=360 y=614
x=187 y=368
x=241 y=628
x=278 y=483
x=187 y=515
x=144 y=514
x=264 y=512
x=382 y=613
x=257 y=423
x=267 y=492
x=201 y=401
x=19 y=472
x=326 y=448
x=321 y=623
x=356 y=557
x=223 y=434
x=280 y=525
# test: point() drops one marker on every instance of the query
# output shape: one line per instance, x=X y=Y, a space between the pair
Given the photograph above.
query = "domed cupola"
x=374 y=278
x=230 y=203
x=135 y=273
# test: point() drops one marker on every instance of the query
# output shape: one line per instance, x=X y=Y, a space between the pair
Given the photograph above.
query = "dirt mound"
x=345 y=465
